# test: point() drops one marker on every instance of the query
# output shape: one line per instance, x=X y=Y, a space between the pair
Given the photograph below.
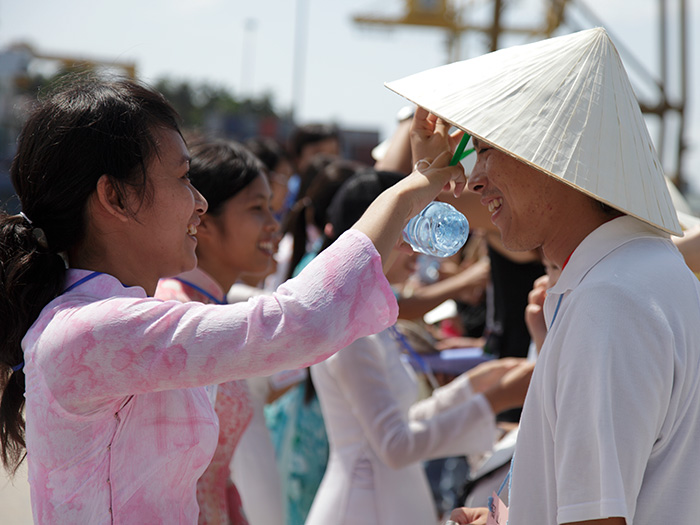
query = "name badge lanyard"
x=82 y=281
x=424 y=366
x=202 y=291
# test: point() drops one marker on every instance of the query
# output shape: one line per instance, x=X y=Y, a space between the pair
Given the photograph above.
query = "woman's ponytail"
x=30 y=277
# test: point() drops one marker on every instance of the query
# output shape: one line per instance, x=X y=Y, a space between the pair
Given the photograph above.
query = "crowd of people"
x=195 y=329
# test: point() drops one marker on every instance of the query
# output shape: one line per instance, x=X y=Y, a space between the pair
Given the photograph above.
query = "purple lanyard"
x=82 y=281
x=202 y=291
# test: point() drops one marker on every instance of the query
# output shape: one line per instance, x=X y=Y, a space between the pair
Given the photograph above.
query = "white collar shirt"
x=609 y=425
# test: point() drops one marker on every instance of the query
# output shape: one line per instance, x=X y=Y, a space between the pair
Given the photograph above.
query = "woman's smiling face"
x=243 y=238
x=165 y=226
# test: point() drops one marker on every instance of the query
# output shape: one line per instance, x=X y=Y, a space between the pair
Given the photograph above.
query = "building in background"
x=206 y=110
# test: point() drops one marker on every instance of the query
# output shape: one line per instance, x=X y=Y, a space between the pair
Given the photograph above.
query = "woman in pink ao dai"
x=119 y=426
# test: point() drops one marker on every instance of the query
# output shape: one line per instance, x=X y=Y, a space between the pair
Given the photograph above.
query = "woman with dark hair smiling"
x=118 y=424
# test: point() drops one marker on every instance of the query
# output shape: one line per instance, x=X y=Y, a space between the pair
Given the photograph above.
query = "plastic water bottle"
x=438 y=230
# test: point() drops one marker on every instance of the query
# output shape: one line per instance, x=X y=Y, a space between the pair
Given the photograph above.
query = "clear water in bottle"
x=438 y=230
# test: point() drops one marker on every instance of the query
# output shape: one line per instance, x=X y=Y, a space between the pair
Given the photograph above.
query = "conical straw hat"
x=563 y=105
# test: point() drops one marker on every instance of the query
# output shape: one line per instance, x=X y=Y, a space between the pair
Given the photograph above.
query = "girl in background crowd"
x=279 y=169
x=235 y=235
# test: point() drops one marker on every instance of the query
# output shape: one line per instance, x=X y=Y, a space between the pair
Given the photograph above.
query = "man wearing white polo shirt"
x=611 y=422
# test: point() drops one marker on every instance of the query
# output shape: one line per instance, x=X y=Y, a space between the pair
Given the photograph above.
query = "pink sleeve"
x=121 y=346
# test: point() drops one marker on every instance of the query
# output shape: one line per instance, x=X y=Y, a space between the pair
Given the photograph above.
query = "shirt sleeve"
x=122 y=345
x=607 y=404
x=452 y=422
x=457 y=391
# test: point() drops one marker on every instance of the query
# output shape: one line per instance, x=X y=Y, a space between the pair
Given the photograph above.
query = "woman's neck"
x=223 y=276
x=121 y=271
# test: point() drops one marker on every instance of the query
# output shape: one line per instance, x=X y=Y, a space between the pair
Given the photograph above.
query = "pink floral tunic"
x=217 y=496
x=116 y=431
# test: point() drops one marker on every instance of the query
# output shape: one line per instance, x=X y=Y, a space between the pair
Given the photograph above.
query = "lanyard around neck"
x=425 y=367
x=202 y=291
x=82 y=281
x=556 y=311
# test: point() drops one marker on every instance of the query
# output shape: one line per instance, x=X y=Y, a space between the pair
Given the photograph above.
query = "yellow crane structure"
x=79 y=63
x=444 y=14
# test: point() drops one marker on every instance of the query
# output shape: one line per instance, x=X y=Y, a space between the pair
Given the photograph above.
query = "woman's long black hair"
x=87 y=128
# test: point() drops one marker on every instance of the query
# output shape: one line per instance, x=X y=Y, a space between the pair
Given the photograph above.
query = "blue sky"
x=248 y=46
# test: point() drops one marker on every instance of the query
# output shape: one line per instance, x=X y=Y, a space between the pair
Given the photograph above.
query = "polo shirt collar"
x=596 y=246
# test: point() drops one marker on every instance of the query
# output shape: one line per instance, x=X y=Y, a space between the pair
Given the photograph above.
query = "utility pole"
x=299 y=61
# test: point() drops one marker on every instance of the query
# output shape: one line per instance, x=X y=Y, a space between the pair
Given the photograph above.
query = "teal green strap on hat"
x=460 y=153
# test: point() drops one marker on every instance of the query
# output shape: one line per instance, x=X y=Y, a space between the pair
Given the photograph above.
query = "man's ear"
x=328 y=230
x=109 y=201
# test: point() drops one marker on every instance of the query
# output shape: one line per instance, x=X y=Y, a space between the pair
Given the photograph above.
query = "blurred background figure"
x=279 y=169
x=305 y=143
x=294 y=418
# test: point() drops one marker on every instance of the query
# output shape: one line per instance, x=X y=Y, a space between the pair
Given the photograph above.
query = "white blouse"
x=379 y=435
